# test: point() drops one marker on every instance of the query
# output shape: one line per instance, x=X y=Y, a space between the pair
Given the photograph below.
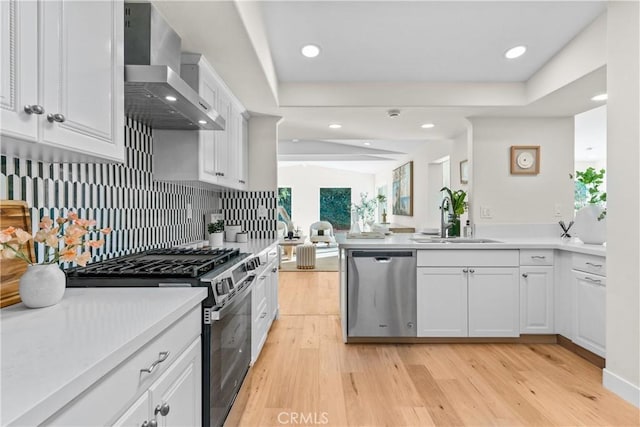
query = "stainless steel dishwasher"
x=381 y=293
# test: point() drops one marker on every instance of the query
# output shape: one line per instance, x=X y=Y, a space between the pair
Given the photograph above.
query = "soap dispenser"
x=468 y=230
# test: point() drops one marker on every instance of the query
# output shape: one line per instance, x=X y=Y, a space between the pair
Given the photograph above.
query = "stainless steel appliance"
x=154 y=92
x=226 y=313
x=381 y=293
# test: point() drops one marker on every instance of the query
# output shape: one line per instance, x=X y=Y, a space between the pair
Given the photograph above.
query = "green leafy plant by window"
x=587 y=189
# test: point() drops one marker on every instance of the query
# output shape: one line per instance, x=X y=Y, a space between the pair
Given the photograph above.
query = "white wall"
x=520 y=199
x=305 y=183
x=431 y=152
x=622 y=374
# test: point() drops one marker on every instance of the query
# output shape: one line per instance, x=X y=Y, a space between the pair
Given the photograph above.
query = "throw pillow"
x=320 y=232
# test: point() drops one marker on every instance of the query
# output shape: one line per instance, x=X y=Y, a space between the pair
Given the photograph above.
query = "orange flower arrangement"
x=71 y=231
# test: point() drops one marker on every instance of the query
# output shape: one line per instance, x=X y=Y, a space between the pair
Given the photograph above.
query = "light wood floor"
x=307 y=376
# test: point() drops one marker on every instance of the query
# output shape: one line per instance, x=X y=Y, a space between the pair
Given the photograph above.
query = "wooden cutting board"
x=13 y=213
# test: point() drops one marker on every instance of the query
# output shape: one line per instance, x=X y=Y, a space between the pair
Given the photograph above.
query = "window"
x=335 y=207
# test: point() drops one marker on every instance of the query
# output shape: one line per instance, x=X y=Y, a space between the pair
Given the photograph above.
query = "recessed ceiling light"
x=295 y=140
x=310 y=50
x=427 y=126
x=202 y=122
x=367 y=143
x=589 y=148
x=335 y=126
x=600 y=97
x=515 y=52
x=170 y=98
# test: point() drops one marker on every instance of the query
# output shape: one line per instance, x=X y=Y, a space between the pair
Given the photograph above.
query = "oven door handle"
x=237 y=300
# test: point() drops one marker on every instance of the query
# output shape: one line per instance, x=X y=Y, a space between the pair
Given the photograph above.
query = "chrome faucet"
x=447 y=206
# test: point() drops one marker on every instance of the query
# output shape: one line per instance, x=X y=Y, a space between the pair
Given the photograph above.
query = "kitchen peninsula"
x=507 y=289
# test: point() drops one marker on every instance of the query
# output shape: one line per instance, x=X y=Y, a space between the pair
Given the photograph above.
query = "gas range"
x=222 y=270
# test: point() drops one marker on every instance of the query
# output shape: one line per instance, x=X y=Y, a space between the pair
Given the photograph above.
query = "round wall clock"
x=525 y=159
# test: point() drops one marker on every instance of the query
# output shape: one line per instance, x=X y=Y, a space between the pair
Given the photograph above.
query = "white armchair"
x=322 y=232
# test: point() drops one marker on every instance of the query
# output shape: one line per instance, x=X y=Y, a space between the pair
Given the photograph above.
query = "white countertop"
x=50 y=355
x=403 y=241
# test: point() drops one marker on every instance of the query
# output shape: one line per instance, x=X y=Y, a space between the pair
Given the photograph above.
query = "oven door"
x=229 y=356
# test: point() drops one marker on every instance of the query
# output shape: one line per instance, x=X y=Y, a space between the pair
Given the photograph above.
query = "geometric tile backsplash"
x=143 y=213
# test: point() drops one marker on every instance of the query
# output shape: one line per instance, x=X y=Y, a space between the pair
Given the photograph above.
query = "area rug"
x=326 y=260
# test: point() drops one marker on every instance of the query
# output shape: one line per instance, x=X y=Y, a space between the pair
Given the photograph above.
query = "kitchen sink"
x=455 y=240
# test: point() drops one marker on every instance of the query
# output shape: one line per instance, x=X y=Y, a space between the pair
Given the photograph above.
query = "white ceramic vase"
x=216 y=239
x=588 y=228
x=42 y=285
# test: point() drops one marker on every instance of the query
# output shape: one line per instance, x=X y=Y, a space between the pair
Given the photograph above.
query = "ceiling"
x=437 y=62
x=435 y=41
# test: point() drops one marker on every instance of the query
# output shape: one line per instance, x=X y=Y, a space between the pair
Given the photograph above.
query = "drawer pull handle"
x=274 y=269
x=152 y=423
x=594 y=265
x=589 y=279
x=465 y=270
x=471 y=270
x=161 y=358
x=57 y=117
x=263 y=315
x=538 y=257
x=525 y=275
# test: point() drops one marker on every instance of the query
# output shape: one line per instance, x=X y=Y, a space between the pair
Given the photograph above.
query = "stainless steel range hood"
x=154 y=93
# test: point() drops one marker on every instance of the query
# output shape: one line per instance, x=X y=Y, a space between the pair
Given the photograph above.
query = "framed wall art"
x=525 y=159
x=402 y=190
x=464 y=172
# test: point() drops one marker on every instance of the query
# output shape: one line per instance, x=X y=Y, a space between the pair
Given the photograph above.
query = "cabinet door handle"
x=57 y=117
x=525 y=275
x=162 y=409
x=465 y=270
x=589 y=279
x=274 y=269
x=241 y=181
x=538 y=257
x=262 y=277
x=152 y=423
x=471 y=270
x=263 y=315
x=34 y=109
x=161 y=358
x=594 y=265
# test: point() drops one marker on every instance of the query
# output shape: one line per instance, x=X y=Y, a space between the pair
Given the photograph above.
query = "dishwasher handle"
x=382 y=260
x=382 y=254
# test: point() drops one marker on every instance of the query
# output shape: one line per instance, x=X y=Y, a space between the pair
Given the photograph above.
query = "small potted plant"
x=590 y=203
x=216 y=233
x=457 y=208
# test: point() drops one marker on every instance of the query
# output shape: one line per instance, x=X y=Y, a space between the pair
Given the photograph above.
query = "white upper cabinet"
x=217 y=157
x=63 y=87
x=19 y=70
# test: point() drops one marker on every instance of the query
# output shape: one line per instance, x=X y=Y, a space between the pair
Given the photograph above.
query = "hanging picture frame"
x=402 y=191
x=464 y=172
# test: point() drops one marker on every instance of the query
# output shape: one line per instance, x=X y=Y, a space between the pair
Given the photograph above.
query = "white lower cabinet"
x=264 y=301
x=590 y=312
x=468 y=301
x=493 y=302
x=442 y=302
x=174 y=399
x=163 y=379
x=536 y=300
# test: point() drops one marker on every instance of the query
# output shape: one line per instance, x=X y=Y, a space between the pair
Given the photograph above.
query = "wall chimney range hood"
x=154 y=93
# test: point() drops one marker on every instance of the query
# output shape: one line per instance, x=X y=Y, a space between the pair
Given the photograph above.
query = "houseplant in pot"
x=67 y=239
x=590 y=203
x=216 y=233
x=456 y=204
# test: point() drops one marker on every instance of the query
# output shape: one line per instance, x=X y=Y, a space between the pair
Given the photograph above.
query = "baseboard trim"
x=523 y=339
x=593 y=358
x=621 y=387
